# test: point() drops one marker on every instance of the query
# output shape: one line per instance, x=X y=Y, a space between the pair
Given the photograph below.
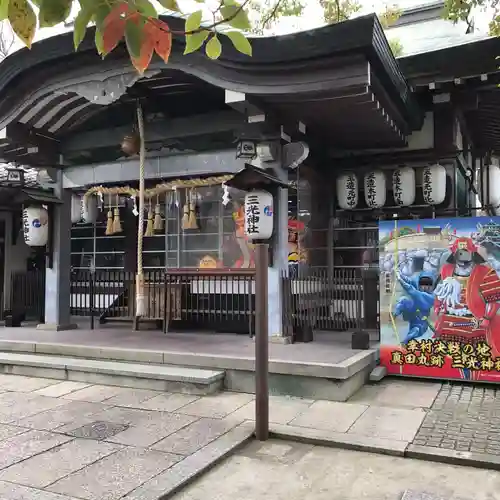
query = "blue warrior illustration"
x=416 y=306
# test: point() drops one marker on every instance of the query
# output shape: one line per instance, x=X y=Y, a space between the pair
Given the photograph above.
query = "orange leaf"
x=113 y=27
x=141 y=63
x=163 y=45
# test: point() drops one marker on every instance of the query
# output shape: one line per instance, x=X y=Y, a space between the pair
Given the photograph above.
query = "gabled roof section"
x=341 y=80
x=363 y=35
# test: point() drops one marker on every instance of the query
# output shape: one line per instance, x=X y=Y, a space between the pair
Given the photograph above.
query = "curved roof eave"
x=462 y=60
x=271 y=55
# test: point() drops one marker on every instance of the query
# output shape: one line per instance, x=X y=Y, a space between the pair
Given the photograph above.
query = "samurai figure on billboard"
x=467 y=298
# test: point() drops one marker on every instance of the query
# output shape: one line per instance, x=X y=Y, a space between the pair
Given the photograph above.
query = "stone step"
x=140 y=376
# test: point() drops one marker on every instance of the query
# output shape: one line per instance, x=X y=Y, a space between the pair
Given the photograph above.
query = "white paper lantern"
x=403 y=186
x=258 y=215
x=375 y=189
x=35 y=226
x=76 y=211
x=347 y=191
x=88 y=209
x=489 y=187
x=434 y=184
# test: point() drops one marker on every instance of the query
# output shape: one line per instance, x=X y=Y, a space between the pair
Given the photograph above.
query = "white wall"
x=423 y=138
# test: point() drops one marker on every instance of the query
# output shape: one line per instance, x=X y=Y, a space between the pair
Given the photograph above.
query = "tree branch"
x=211 y=27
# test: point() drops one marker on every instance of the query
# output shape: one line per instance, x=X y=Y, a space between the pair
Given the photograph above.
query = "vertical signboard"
x=440 y=297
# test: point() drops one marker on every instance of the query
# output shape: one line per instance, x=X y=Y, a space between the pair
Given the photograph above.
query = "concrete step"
x=124 y=374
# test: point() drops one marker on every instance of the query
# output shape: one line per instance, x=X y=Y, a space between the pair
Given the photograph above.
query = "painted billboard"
x=440 y=297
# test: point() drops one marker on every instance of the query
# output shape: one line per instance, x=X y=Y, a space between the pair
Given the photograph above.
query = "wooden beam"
x=256 y=111
x=23 y=135
x=157 y=131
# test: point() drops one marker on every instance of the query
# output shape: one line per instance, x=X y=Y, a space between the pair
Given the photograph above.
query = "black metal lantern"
x=246 y=149
x=15 y=177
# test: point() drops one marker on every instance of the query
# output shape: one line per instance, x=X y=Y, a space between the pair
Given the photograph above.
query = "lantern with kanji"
x=434 y=184
x=375 y=189
x=347 y=191
x=35 y=226
x=403 y=186
x=258 y=216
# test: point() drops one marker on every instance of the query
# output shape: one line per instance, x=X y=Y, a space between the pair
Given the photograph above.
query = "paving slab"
x=216 y=406
x=115 y=475
x=44 y=469
x=9 y=491
x=95 y=393
x=128 y=416
x=397 y=393
x=61 y=389
x=7 y=431
x=20 y=383
x=168 y=402
x=152 y=429
x=70 y=412
x=195 y=436
x=389 y=423
x=173 y=479
x=132 y=398
x=340 y=439
x=330 y=416
x=282 y=409
x=325 y=473
x=23 y=446
x=17 y=405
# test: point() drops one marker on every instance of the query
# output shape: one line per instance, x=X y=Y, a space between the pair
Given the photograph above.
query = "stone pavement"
x=278 y=470
x=466 y=419
x=67 y=440
x=71 y=440
x=384 y=417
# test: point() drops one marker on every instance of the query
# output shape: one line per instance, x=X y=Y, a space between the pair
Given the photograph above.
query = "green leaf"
x=80 y=28
x=22 y=19
x=4 y=9
x=240 y=42
x=100 y=14
x=195 y=41
x=53 y=12
x=236 y=17
x=193 y=22
x=133 y=38
x=99 y=42
x=146 y=8
x=213 y=48
x=170 y=5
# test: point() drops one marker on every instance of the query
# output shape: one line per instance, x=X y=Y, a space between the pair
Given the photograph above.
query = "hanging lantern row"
x=403 y=187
